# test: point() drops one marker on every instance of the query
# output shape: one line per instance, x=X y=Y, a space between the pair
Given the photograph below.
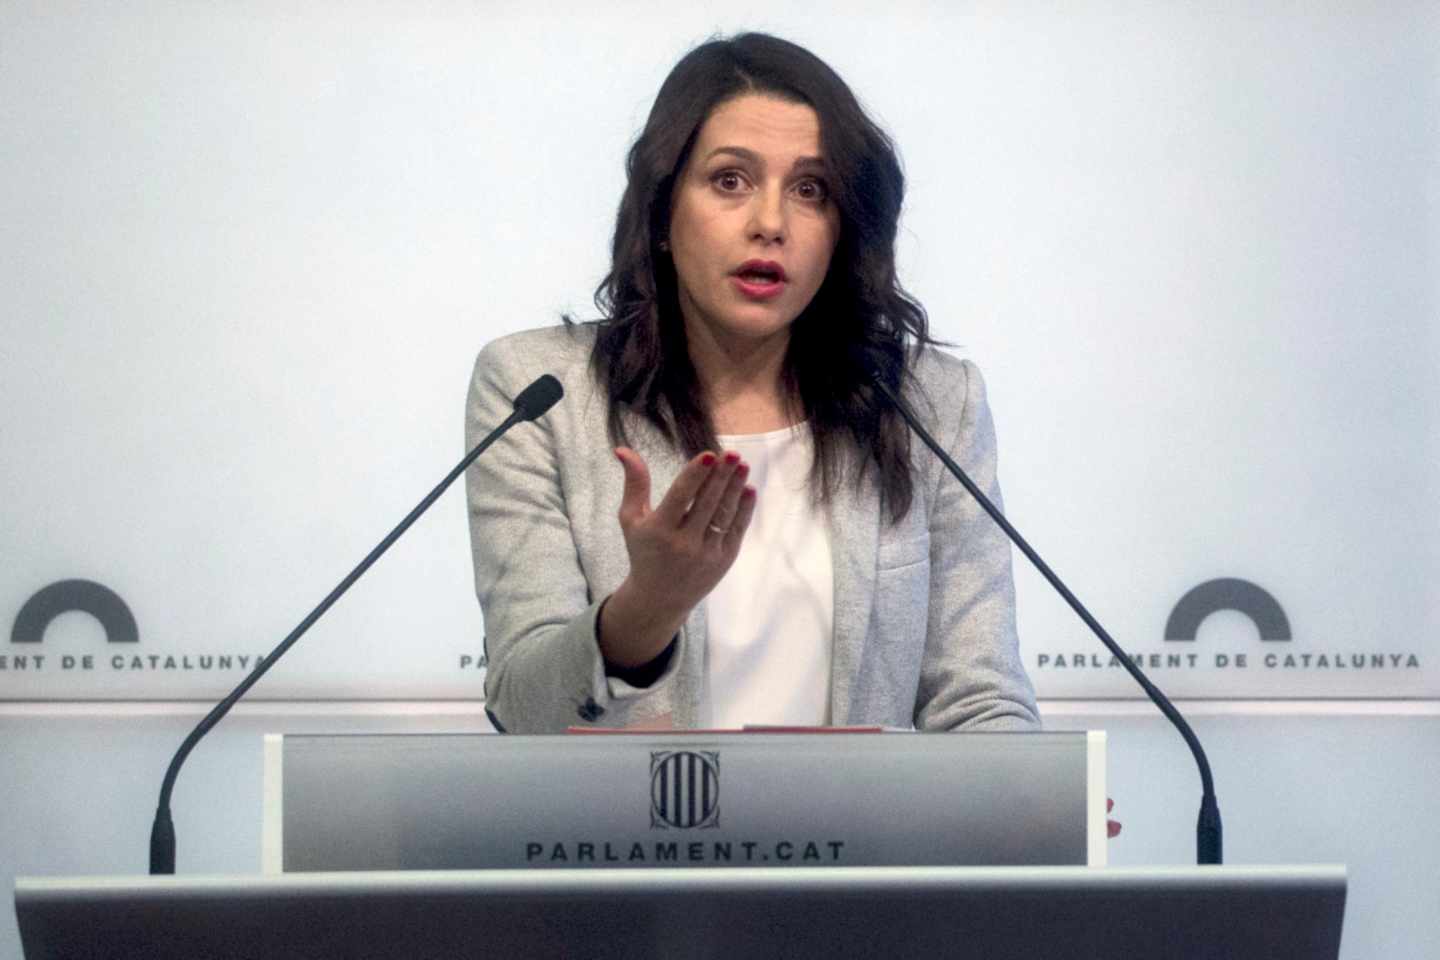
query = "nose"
x=767 y=216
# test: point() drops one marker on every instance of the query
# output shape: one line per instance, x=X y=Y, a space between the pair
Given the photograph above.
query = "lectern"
x=693 y=845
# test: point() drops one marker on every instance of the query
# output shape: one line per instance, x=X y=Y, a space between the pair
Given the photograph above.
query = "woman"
x=803 y=564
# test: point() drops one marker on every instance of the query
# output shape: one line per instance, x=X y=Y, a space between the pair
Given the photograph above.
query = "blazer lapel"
x=854 y=523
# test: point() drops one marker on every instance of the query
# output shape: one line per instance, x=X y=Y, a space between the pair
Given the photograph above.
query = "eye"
x=813 y=190
x=728 y=181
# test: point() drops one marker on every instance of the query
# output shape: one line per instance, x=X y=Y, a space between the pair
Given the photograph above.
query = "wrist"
x=632 y=630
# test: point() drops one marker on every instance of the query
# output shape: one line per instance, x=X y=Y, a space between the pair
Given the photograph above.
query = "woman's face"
x=752 y=225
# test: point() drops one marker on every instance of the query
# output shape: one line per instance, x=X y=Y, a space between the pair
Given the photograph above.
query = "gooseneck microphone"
x=1208 y=828
x=532 y=402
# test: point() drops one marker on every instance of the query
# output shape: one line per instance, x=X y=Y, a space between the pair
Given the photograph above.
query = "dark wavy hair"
x=860 y=319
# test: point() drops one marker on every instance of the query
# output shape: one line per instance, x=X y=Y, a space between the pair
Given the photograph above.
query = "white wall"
x=250 y=250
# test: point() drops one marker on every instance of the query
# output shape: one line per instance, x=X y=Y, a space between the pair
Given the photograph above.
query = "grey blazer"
x=924 y=618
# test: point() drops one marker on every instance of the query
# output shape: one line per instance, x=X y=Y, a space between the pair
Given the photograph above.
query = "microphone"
x=532 y=402
x=1208 y=832
x=536 y=400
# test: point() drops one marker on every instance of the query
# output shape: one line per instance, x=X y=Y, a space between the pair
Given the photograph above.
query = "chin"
x=760 y=329
x=747 y=321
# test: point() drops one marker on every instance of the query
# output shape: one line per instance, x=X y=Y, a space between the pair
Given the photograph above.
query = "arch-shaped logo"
x=66 y=596
x=1227 y=593
x=684 y=789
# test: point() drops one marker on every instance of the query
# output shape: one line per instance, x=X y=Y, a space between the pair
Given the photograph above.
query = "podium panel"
x=632 y=801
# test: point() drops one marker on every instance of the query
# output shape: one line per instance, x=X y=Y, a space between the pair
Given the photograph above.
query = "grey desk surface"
x=992 y=912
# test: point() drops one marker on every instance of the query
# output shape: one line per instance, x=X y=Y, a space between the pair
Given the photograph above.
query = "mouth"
x=760 y=279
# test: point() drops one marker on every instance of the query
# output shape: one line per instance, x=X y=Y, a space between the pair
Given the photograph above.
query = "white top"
x=768 y=622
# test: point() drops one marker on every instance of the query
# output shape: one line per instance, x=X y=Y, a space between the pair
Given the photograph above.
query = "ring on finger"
x=714 y=529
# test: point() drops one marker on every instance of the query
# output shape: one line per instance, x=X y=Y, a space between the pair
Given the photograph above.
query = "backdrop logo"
x=1276 y=653
x=684 y=789
x=122 y=636
x=70 y=596
x=1227 y=593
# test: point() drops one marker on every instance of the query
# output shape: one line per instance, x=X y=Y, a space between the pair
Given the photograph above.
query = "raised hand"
x=678 y=550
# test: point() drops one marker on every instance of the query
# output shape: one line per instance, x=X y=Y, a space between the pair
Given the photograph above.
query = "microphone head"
x=881 y=363
x=539 y=397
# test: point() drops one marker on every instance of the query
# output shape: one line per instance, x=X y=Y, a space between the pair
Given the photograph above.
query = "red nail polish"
x=744 y=469
x=707 y=460
x=749 y=493
x=732 y=458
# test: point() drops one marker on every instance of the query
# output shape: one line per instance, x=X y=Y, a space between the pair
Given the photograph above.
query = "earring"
x=664 y=245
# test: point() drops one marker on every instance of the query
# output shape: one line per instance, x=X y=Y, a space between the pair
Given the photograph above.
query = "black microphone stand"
x=531 y=403
x=1208 y=831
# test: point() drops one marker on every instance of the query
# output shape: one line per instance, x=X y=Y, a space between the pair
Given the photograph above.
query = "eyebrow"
x=744 y=153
